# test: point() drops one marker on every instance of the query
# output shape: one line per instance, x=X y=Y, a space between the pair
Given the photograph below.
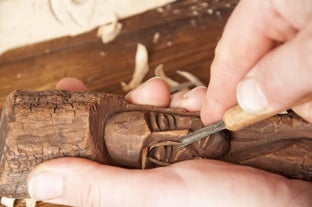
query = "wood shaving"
x=160 y=10
x=169 y=43
x=210 y=11
x=159 y=72
x=140 y=70
x=181 y=87
x=283 y=112
x=109 y=32
x=30 y=202
x=176 y=86
x=8 y=202
x=156 y=37
x=192 y=78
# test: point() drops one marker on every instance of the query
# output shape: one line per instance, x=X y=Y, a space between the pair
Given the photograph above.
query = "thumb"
x=280 y=78
x=80 y=182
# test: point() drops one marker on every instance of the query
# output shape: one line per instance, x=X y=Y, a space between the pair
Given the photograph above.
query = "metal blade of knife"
x=202 y=133
x=234 y=119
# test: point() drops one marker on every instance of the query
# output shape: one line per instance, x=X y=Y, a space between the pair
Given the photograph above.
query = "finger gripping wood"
x=39 y=126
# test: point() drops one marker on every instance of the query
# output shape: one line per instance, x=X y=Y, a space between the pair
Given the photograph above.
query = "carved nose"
x=125 y=135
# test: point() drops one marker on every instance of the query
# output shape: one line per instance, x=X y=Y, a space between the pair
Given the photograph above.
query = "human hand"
x=80 y=182
x=263 y=60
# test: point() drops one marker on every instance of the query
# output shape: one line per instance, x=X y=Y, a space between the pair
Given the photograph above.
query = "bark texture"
x=38 y=126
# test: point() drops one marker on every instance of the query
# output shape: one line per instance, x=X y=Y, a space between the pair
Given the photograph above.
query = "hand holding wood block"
x=39 y=126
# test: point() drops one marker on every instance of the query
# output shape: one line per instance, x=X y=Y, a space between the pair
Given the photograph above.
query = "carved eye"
x=162 y=153
x=162 y=122
x=167 y=153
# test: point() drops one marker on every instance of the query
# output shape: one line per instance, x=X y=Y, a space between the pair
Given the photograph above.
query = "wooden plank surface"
x=188 y=29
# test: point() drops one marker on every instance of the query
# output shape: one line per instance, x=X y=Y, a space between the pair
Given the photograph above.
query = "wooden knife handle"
x=236 y=118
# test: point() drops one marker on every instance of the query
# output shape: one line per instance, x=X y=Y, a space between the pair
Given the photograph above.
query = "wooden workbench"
x=188 y=32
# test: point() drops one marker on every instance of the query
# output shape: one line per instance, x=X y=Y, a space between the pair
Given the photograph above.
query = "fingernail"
x=194 y=91
x=138 y=90
x=45 y=186
x=250 y=96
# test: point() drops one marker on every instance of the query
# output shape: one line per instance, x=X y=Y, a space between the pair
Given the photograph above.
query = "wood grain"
x=189 y=31
x=188 y=35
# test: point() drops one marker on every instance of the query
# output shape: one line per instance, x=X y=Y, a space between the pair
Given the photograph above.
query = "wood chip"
x=192 y=78
x=30 y=202
x=110 y=31
x=156 y=37
x=176 y=86
x=140 y=70
x=8 y=202
x=159 y=72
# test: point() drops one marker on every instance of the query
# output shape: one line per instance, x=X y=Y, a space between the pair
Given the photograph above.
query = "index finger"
x=253 y=29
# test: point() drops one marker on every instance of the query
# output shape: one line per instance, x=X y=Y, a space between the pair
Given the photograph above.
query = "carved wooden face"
x=128 y=133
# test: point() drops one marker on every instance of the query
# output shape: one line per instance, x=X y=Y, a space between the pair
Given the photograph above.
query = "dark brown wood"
x=38 y=126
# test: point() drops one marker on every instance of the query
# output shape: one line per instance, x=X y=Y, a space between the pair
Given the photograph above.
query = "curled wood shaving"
x=181 y=87
x=110 y=31
x=192 y=78
x=140 y=70
x=176 y=86
x=8 y=202
x=159 y=72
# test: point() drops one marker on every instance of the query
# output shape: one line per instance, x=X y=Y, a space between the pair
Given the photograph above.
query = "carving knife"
x=234 y=119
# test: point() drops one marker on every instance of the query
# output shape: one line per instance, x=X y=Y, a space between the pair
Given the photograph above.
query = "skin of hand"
x=80 y=182
x=265 y=52
x=263 y=60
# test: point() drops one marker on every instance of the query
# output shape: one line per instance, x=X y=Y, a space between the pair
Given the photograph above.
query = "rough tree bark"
x=38 y=126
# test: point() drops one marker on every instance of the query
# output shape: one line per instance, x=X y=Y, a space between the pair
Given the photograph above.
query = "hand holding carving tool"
x=234 y=119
